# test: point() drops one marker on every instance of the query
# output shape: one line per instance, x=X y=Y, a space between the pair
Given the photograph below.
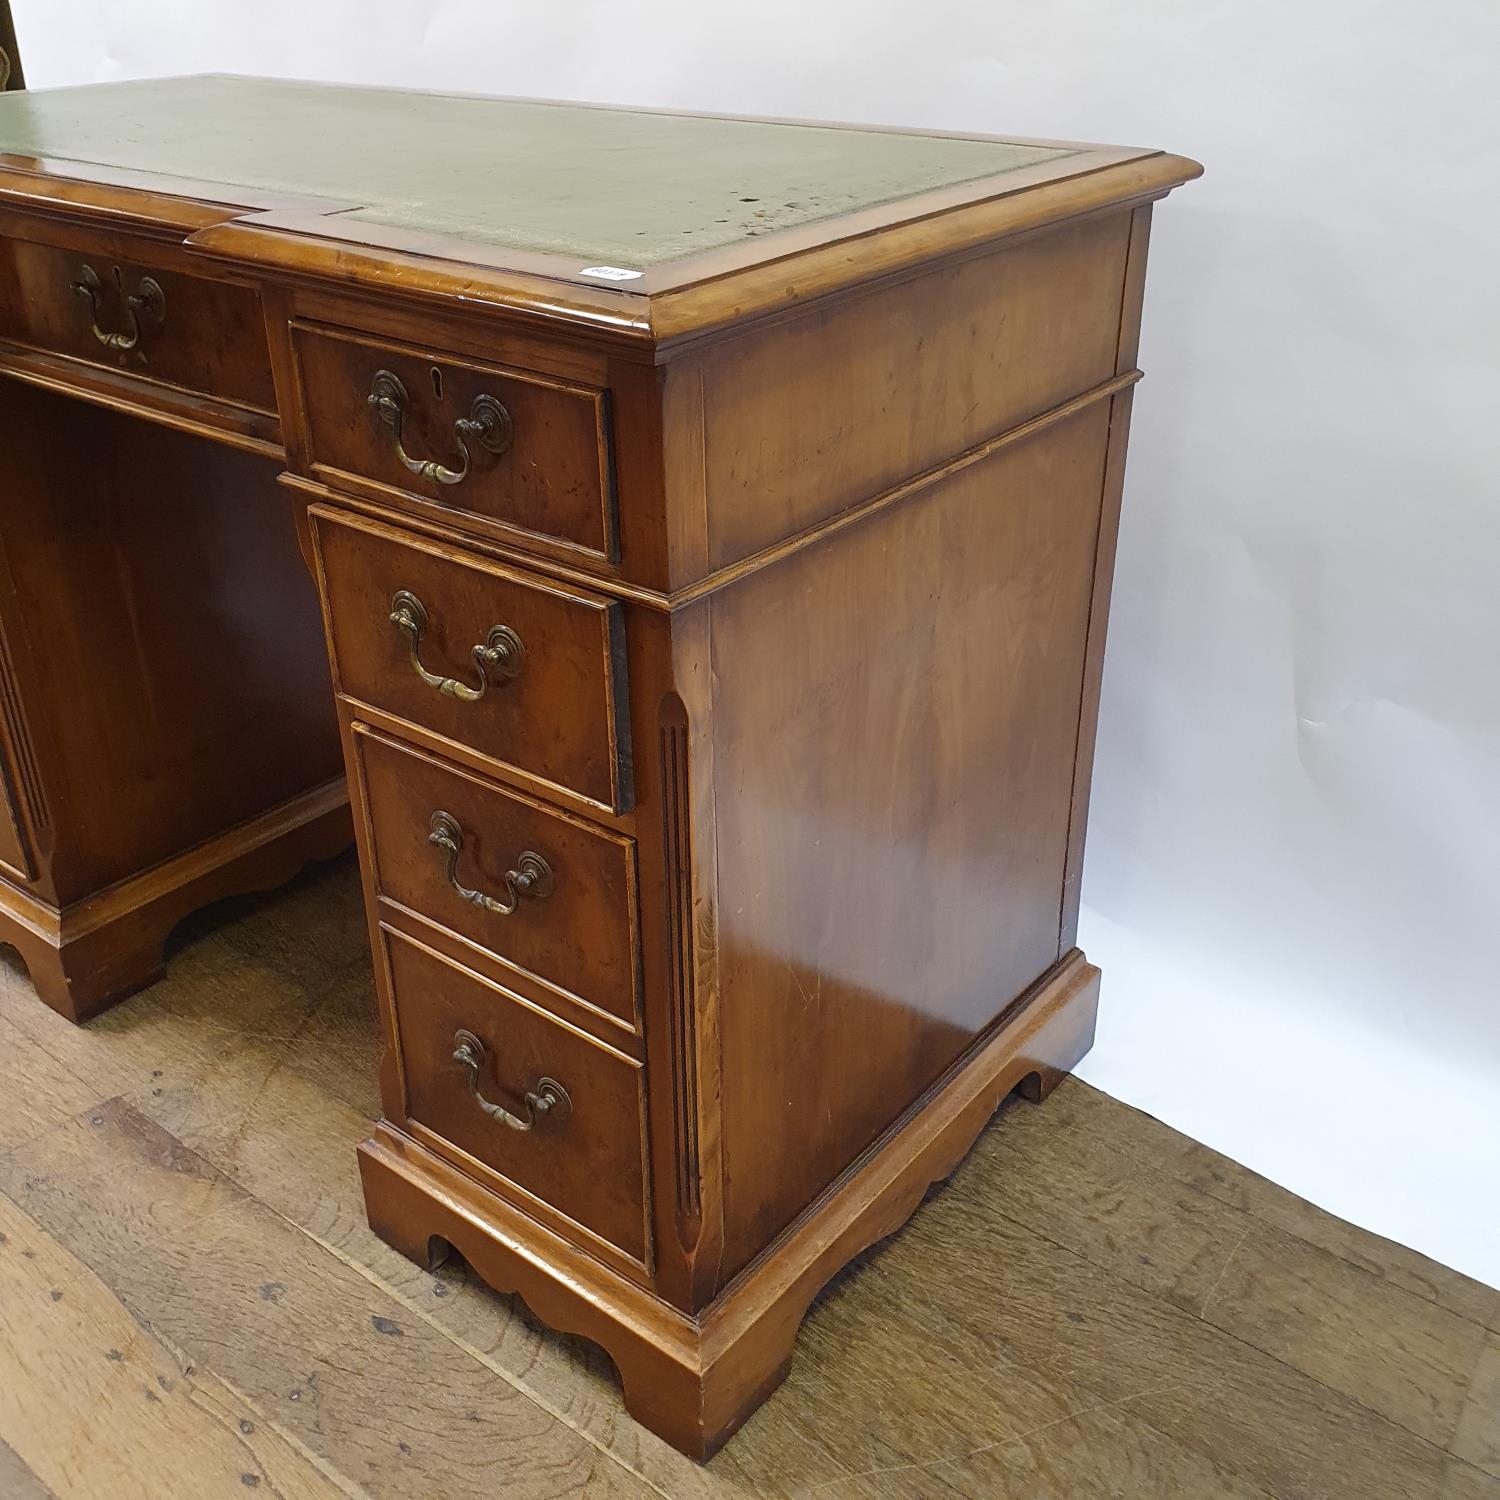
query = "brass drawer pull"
x=499 y=656
x=532 y=876
x=487 y=424
x=549 y=1097
x=147 y=304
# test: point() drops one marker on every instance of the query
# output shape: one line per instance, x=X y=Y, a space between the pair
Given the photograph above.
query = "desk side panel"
x=803 y=420
x=896 y=723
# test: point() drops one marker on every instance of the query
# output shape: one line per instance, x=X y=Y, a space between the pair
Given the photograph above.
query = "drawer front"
x=550 y=698
x=584 y=1155
x=163 y=324
x=511 y=451
x=537 y=889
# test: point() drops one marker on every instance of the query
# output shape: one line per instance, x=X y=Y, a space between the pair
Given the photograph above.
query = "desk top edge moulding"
x=682 y=543
x=325 y=174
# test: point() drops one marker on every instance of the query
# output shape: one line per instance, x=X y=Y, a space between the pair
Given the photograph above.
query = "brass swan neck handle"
x=531 y=878
x=497 y=658
x=488 y=424
x=549 y=1097
x=147 y=304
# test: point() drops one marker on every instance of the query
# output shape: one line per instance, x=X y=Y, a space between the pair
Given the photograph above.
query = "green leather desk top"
x=613 y=186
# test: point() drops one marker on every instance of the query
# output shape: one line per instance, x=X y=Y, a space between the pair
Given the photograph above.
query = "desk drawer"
x=583 y=1155
x=526 y=672
x=436 y=829
x=511 y=451
x=139 y=316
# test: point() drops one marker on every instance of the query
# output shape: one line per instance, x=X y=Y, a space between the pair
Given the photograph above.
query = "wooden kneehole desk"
x=714 y=558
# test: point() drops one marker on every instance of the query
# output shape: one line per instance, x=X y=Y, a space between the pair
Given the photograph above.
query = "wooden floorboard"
x=17 y=1482
x=1397 y=1353
x=38 y=1090
x=1092 y=1306
x=1200 y=1167
x=96 y=1403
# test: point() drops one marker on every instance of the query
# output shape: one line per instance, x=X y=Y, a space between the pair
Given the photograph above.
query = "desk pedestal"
x=167 y=734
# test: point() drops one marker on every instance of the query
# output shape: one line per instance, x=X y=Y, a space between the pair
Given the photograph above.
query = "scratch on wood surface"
x=235 y=1138
x=1224 y=1270
x=808 y=1001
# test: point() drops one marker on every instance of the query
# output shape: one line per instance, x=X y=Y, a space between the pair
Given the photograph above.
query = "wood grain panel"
x=817 y=413
x=554 y=479
x=895 y=721
x=579 y=937
x=1104 y=566
x=210 y=337
x=562 y=719
x=587 y=1162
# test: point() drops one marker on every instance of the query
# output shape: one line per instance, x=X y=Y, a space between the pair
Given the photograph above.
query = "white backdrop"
x=1294 y=859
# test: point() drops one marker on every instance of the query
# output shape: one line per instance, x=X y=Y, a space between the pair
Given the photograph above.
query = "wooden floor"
x=191 y=1305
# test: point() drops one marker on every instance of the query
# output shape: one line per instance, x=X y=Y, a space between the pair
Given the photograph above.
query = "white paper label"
x=611 y=273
